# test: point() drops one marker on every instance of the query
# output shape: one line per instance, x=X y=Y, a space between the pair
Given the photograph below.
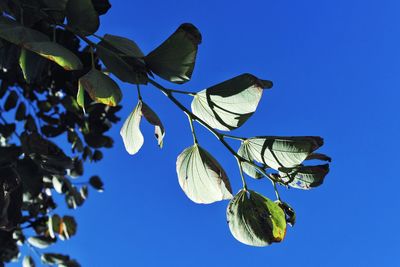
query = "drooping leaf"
x=255 y=220
x=53 y=224
x=281 y=153
x=130 y=131
x=201 y=177
x=82 y=16
x=227 y=105
x=56 y=53
x=96 y=183
x=28 y=262
x=306 y=177
x=175 y=58
x=15 y=33
x=32 y=65
x=40 y=241
x=69 y=227
x=248 y=168
x=127 y=68
x=101 y=88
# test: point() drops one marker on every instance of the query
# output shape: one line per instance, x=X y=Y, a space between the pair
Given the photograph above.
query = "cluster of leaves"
x=56 y=87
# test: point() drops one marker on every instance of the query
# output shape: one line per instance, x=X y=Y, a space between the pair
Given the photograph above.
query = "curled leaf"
x=130 y=131
x=201 y=177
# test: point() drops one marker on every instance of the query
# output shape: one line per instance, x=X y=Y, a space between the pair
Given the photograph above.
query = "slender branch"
x=218 y=135
x=234 y=137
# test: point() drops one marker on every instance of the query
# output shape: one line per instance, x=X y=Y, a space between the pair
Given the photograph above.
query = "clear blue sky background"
x=335 y=67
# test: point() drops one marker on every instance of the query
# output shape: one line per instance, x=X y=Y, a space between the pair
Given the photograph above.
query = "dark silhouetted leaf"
x=82 y=16
x=11 y=101
x=175 y=58
x=96 y=183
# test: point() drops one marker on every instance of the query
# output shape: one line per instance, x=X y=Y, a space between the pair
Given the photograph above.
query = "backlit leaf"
x=175 y=58
x=281 y=153
x=201 y=177
x=124 y=45
x=28 y=262
x=248 y=168
x=227 y=105
x=40 y=241
x=56 y=53
x=101 y=88
x=255 y=220
x=306 y=177
x=130 y=131
x=32 y=65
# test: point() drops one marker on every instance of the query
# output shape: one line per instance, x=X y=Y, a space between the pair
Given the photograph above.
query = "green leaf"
x=130 y=131
x=28 y=262
x=175 y=58
x=255 y=220
x=15 y=33
x=101 y=88
x=282 y=153
x=227 y=105
x=124 y=45
x=96 y=183
x=201 y=177
x=56 y=53
x=82 y=16
x=40 y=241
x=56 y=9
x=248 y=168
x=306 y=177
x=54 y=258
x=101 y=6
x=126 y=68
x=32 y=65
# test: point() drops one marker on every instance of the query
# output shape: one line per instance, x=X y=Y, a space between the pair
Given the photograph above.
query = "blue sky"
x=335 y=67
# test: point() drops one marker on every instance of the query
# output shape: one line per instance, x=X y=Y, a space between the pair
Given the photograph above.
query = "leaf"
x=255 y=220
x=56 y=9
x=201 y=177
x=80 y=98
x=126 y=68
x=306 y=177
x=11 y=101
x=56 y=53
x=319 y=156
x=101 y=88
x=53 y=224
x=69 y=227
x=124 y=45
x=130 y=131
x=248 y=168
x=82 y=16
x=175 y=58
x=21 y=112
x=227 y=105
x=28 y=262
x=96 y=183
x=15 y=33
x=54 y=258
x=101 y=6
x=290 y=214
x=40 y=241
x=282 y=153
x=32 y=65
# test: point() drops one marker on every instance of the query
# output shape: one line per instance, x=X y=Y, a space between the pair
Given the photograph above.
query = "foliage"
x=52 y=88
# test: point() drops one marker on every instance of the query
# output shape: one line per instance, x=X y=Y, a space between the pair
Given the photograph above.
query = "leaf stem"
x=234 y=137
x=138 y=91
x=192 y=129
x=278 y=197
x=241 y=173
